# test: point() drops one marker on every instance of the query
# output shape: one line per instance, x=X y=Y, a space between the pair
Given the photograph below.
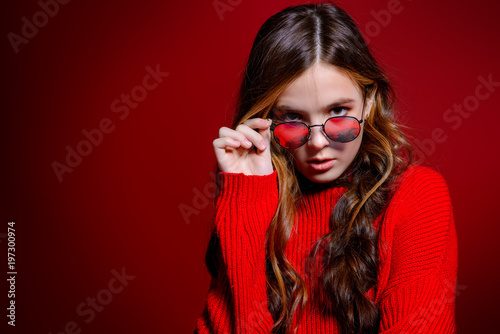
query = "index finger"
x=261 y=126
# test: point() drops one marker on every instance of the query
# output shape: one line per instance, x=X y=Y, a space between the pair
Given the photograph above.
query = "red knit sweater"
x=417 y=247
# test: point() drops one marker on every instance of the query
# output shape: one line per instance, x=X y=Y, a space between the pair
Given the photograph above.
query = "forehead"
x=320 y=85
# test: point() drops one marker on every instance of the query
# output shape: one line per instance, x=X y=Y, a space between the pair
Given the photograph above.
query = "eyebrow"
x=331 y=105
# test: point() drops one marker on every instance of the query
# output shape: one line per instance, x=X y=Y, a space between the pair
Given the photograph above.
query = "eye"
x=339 y=111
x=290 y=117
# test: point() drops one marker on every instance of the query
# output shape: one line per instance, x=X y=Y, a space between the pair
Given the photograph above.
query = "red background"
x=119 y=208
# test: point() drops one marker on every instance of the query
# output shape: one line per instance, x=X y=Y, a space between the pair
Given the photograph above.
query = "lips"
x=321 y=164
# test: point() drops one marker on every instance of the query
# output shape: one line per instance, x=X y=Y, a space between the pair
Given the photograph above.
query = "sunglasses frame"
x=273 y=126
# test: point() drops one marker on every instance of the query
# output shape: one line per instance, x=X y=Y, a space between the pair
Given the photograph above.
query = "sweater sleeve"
x=237 y=299
x=419 y=296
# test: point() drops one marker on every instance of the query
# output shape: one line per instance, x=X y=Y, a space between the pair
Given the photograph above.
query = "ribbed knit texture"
x=415 y=292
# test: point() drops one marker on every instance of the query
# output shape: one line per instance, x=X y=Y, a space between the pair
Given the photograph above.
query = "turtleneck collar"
x=307 y=186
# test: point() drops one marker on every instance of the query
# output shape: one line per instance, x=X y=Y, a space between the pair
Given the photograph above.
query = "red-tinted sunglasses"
x=342 y=129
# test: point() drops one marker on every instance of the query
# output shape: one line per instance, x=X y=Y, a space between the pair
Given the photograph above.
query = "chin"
x=327 y=177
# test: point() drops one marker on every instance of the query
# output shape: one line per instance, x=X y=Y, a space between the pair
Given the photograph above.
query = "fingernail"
x=262 y=145
x=247 y=142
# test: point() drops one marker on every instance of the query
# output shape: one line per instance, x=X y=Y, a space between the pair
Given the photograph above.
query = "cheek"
x=350 y=149
x=299 y=156
x=294 y=158
x=347 y=151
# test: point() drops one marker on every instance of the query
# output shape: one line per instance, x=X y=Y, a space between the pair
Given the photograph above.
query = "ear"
x=370 y=101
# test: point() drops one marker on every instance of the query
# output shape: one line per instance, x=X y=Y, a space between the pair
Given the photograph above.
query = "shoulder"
x=419 y=180
x=420 y=189
x=420 y=174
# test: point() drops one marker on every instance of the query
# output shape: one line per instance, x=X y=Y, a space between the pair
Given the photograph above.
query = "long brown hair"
x=286 y=45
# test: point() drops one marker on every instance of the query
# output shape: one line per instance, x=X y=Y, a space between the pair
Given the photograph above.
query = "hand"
x=235 y=150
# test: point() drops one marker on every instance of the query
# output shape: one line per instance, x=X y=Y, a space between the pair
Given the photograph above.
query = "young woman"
x=323 y=223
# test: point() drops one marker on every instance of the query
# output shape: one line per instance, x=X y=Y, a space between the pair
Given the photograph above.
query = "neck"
x=308 y=186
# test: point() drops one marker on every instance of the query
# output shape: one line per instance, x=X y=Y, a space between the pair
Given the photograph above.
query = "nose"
x=318 y=140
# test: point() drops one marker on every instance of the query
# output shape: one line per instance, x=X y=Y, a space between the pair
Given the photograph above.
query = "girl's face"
x=319 y=93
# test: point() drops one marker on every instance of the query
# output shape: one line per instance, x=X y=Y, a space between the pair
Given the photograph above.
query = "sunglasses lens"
x=342 y=129
x=291 y=135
